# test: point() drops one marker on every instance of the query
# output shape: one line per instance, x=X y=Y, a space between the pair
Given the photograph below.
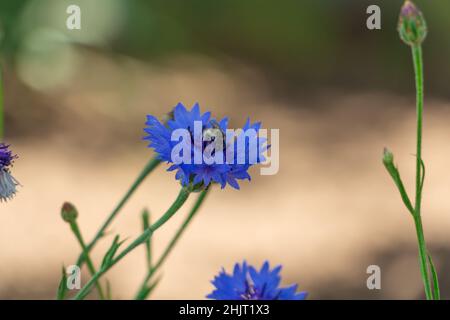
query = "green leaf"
x=388 y=161
x=109 y=256
x=422 y=179
x=436 y=291
x=62 y=288
x=145 y=225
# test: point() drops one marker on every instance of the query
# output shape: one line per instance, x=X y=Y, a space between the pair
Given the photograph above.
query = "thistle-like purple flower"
x=246 y=283
x=7 y=182
x=412 y=26
x=203 y=150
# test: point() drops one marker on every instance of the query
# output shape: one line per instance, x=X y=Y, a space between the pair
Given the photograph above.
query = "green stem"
x=152 y=164
x=179 y=201
x=146 y=222
x=89 y=263
x=171 y=245
x=2 y=116
x=418 y=68
x=436 y=290
x=423 y=257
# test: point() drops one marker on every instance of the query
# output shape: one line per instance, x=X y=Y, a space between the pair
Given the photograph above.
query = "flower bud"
x=388 y=157
x=68 y=212
x=411 y=25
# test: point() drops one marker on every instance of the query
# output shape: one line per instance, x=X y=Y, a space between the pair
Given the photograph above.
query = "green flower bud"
x=388 y=157
x=411 y=25
x=68 y=212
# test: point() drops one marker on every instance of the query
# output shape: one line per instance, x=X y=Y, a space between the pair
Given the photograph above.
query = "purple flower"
x=7 y=182
x=412 y=26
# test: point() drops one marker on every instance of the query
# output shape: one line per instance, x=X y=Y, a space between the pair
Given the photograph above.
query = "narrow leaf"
x=62 y=288
x=422 y=179
x=145 y=226
x=436 y=291
x=111 y=252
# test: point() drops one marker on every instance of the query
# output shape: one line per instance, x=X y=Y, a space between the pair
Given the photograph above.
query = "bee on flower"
x=203 y=150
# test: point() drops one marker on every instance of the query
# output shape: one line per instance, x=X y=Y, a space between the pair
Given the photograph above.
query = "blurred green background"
x=314 y=43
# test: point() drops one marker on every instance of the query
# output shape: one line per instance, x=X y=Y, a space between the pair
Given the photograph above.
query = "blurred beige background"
x=329 y=213
x=76 y=105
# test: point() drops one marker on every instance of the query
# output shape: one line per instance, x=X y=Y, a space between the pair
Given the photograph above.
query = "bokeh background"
x=76 y=103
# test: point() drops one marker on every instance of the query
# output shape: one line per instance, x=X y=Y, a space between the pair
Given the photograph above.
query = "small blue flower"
x=246 y=283
x=7 y=182
x=212 y=156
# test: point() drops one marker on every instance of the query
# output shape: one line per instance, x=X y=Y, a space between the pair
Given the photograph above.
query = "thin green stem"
x=2 y=110
x=176 y=205
x=149 y=167
x=436 y=290
x=418 y=68
x=423 y=257
x=172 y=243
x=89 y=263
x=146 y=222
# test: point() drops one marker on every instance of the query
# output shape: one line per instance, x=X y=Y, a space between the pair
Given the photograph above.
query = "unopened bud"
x=411 y=25
x=388 y=157
x=68 y=212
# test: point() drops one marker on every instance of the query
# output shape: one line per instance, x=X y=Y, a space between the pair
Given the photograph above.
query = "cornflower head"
x=247 y=283
x=412 y=26
x=7 y=182
x=203 y=150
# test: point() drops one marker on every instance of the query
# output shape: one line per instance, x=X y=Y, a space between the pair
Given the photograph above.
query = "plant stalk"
x=2 y=109
x=180 y=200
x=172 y=243
x=89 y=263
x=418 y=69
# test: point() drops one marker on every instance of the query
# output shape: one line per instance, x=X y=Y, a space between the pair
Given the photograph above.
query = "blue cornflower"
x=7 y=182
x=246 y=283
x=202 y=150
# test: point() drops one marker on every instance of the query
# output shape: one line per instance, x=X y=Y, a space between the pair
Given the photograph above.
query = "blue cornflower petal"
x=230 y=287
x=222 y=172
x=246 y=283
x=232 y=182
x=290 y=293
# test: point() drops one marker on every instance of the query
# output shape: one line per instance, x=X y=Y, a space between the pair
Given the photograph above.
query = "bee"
x=215 y=132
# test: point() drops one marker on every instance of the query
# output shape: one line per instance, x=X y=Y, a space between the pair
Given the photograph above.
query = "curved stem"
x=149 y=167
x=171 y=245
x=179 y=201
